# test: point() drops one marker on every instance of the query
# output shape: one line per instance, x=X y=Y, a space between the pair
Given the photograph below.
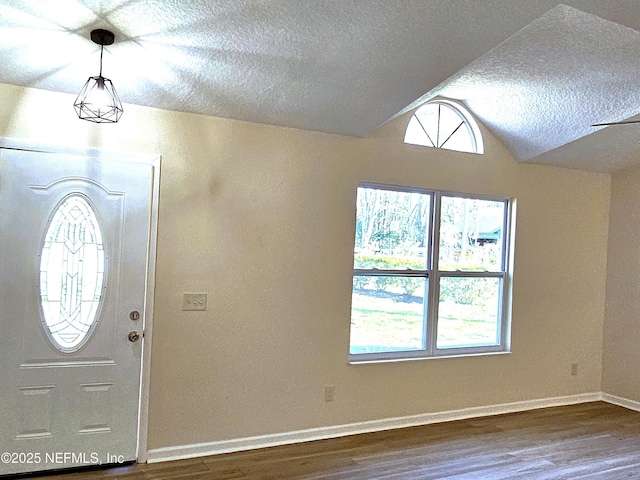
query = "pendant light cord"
x=101 y=51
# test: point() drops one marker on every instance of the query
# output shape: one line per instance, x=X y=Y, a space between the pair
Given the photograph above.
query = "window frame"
x=433 y=275
x=466 y=118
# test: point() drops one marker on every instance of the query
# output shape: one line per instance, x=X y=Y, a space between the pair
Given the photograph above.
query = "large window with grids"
x=430 y=274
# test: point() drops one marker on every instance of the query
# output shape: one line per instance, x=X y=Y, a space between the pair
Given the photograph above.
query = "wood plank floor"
x=586 y=441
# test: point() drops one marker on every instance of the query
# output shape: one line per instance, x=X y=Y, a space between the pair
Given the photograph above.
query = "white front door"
x=74 y=240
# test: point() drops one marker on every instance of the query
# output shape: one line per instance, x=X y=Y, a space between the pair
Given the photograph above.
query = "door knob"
x=134 y=336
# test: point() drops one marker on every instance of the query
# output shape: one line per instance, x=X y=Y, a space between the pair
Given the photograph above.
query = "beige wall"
x=262 y=218
x=622 y=321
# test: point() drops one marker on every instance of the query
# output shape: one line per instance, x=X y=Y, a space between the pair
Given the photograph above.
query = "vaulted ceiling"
x=535 y=72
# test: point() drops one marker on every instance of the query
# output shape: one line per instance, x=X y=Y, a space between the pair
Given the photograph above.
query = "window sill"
x=413 y=359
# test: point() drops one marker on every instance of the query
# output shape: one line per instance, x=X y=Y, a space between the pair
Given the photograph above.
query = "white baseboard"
x=622 y=402
x=321 y=433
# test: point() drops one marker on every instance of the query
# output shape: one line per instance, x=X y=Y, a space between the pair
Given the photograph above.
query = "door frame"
x=154 y=160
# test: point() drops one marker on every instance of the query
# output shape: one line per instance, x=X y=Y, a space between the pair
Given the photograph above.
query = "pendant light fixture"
x=98 y=101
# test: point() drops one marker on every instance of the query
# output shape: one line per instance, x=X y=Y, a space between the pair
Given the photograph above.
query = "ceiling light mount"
x=98 y=101
x=102 y=37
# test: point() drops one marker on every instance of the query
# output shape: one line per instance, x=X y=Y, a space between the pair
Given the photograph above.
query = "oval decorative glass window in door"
x=72 y=273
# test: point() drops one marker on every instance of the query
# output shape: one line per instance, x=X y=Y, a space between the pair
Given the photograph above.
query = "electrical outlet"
x=194 y=301
x=574 y=369
x=329 y=393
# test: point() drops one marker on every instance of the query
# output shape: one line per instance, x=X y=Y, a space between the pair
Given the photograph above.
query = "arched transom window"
x=441 y=124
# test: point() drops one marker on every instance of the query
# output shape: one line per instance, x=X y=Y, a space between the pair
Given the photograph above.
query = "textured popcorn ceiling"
x=543 y=87
x=535 y=72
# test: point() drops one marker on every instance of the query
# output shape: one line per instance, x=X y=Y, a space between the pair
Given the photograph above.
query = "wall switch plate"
x=329 y=393
x=574 y=369
x=194 y=301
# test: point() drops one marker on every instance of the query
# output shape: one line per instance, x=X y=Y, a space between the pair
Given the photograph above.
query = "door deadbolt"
x=135 y=315
x=134 y=336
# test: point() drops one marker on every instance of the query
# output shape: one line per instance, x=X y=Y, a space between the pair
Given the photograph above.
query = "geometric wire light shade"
x=98 y=101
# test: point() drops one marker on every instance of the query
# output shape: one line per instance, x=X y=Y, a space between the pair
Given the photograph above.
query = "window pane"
x=387 y=314
x=471 y=234
x=460 y=140
x=441 y=125
x=450 y=122
x=71 y=273
x=429 y=118
x=468 y=312
x=416 y=134
x=391 y=229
